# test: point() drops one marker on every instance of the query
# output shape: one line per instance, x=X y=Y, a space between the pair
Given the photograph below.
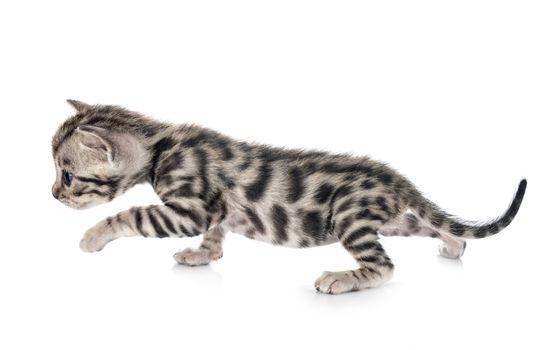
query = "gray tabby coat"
x=211 y=184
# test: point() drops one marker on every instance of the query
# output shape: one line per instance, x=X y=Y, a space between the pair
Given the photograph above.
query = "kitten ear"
x=79 y=106
x=97 y=139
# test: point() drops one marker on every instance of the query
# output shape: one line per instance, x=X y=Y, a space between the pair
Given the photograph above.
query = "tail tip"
x=522 y=188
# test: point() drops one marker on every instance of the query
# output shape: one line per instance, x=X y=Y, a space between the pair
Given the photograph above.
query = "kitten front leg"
x=158 y=221
x=97 y=237
x=209 y=250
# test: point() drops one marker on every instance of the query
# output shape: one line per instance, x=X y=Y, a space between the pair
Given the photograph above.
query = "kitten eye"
x=67 y=178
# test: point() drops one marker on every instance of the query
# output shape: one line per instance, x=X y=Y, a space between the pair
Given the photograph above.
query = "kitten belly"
x=255 y=228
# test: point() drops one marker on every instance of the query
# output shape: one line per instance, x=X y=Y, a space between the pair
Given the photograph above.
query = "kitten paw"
x=336 y=282
x=93 y=241
x=452 y=251
x=196 y=257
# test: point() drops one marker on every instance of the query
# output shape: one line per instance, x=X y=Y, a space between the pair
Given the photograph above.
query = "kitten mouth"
x=82 y=206
x=78 y=205
x=85 y=205
x=71 y=204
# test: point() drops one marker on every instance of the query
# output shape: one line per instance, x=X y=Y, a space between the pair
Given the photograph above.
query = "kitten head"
x=93 y=164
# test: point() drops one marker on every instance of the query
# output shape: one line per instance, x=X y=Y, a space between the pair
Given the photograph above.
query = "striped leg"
x=410 y=225
x=209 y=250
x=407 y=225
x=152 y=221
x=361 y=240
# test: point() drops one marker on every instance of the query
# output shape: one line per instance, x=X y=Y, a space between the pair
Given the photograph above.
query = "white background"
x=451 y=93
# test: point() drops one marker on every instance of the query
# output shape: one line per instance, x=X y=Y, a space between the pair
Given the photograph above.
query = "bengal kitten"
x=211 y=184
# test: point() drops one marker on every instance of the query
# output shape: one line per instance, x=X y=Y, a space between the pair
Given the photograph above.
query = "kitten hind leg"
x=375 y=266
x=209 y=250
x=451 y=247
x=409 y=224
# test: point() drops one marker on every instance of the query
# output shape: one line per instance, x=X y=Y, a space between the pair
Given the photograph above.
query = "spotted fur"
x=211 y=184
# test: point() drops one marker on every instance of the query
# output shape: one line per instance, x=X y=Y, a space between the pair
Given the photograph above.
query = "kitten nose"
x=55 y=191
